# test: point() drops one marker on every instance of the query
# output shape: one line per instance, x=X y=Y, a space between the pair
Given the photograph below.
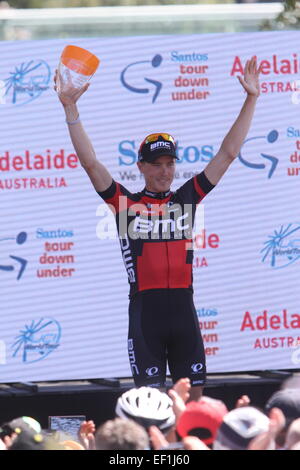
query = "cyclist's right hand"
x=66 y=92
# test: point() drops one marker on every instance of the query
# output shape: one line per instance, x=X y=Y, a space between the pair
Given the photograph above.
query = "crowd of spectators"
x=149 y=419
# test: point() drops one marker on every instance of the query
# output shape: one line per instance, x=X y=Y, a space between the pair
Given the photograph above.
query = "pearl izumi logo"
x=196 y=368
x=159 y=145
x=152 y=371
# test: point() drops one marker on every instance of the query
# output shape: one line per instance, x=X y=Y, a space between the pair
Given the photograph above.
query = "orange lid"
x=79 y=60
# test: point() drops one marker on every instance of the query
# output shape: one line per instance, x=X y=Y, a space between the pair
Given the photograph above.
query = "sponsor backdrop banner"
x=64 y=290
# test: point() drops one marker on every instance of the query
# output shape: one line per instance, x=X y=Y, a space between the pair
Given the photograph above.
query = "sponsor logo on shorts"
x=197 y=368
x=195 y=382
x=152 y=371
x=131 y=354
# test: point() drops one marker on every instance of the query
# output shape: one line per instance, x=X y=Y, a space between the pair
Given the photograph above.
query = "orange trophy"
x=77 y=66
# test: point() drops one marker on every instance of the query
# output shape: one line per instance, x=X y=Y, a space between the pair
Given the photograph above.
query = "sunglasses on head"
x=155 y=137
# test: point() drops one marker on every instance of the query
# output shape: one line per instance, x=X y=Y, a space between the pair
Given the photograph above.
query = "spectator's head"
x=293 y=435
x=148 y=407
x=288 y=401
x=24 y=423
x=239 y=427
x=202 y=419
x=121 y=434
x=291 y=382
x=28 y=440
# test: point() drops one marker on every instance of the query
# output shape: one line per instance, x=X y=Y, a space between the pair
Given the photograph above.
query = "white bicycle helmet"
x=147 y=406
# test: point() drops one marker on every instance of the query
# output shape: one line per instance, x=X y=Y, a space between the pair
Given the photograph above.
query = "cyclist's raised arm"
x=68 y=95
x=233 y=141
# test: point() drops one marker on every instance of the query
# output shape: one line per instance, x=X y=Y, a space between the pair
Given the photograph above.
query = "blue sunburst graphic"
x=40 y=338
x=29 y=79
x=275 y=243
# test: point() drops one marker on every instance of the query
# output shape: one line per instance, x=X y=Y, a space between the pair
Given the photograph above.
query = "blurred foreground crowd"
x=149 y=419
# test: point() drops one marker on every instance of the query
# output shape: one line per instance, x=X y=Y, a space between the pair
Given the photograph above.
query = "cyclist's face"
x=159 y=174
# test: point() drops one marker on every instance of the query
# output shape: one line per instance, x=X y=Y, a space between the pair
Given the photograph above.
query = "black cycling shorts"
x=164 y=328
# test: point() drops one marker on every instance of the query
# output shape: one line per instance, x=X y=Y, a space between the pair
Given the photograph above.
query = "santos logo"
x=152 y=371
x=196 y=368
x=191 y=154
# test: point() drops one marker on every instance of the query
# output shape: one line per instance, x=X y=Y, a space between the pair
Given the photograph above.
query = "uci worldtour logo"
x=135 y=77
x=283 y=247
x=37 y=340
x=268 y=162
x=25 y=83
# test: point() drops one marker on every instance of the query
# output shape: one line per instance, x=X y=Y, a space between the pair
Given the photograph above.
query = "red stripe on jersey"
x=114 y=201
x=121 y=202
x=198 y=188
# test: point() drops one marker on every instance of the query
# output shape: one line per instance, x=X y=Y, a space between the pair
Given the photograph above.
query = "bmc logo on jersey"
x=196 y=368
x=166 y=225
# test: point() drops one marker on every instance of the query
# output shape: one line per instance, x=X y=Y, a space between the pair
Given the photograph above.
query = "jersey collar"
x=161 y=195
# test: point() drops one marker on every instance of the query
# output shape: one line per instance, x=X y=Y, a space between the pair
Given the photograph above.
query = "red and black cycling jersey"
x=155 y=233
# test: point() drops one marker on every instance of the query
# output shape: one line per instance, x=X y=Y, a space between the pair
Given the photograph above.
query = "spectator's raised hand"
x=180 y=393
x=86 y=435
x=178 y=403
x=157 y=438
x=183 y=387
x=244 y=400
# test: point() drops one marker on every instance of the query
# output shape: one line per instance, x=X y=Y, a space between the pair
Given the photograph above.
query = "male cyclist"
x=155 y=233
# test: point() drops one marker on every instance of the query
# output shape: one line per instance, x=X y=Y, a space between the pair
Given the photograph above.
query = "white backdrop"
x=64 y=291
